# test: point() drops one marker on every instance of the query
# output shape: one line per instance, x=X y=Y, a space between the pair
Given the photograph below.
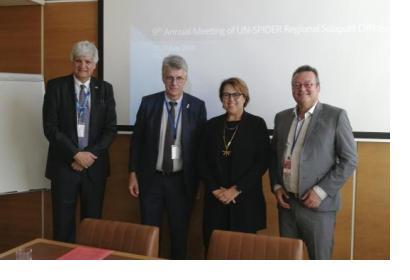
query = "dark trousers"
x=313 y=227
x=167 y=192
x=219 y=216
x=65 y=189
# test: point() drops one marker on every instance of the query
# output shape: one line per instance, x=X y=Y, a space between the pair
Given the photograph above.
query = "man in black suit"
x=163 y=153
x=79 y=121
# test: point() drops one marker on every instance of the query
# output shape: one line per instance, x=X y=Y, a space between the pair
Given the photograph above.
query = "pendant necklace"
x=226 y=152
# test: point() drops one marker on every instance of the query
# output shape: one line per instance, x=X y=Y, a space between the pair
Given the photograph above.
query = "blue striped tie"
x=83 y=116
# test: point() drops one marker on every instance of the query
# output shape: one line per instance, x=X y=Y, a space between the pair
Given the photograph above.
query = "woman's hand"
x=226 y=195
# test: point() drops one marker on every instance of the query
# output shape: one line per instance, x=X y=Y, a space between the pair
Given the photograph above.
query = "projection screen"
x=260 y=41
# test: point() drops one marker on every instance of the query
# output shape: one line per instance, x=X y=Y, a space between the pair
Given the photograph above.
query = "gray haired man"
x=79 y=121
x=163 y=154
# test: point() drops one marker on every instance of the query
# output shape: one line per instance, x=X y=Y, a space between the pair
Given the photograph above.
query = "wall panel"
x=372 y=221
x=20 y=218
x=343 y=228
x=20 y=37
x=64 y=25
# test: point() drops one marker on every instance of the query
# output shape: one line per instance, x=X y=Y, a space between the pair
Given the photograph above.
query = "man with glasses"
x=163 y=154
x=314 y=153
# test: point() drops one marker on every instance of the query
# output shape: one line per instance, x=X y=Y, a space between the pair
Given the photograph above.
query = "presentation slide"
x=260 y=41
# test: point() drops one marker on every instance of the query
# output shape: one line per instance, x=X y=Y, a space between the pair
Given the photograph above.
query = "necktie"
x=83 y=116
x=167 y=164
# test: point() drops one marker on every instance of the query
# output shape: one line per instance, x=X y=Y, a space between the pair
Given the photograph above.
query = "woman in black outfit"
x=234 y=156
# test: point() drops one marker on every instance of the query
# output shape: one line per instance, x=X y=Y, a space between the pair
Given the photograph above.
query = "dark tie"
x=83 y=117
x=167 y=164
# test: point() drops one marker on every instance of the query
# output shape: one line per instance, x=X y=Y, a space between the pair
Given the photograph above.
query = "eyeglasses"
x=227 y=95
x=171 y=80
x=306 y=85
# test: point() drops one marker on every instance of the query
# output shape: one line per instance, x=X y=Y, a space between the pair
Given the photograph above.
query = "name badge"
x=80 y=130
x=175 y=152
x=287 y=166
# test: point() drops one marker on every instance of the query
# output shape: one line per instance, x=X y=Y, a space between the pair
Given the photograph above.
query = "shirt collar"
x=178 y=101
x=78 y=83
x=308 y=113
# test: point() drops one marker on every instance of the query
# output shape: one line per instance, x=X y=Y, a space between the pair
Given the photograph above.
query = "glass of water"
x=24 y=254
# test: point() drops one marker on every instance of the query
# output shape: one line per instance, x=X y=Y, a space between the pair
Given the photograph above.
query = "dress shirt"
x=297 y=132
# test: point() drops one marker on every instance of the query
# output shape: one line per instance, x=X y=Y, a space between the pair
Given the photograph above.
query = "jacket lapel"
x=71 y=105
x=186 y=110
x=157 y=109
x=94 y=95
x=237 y=143
x=219 y=145
x=287 y=123
x=313 y=122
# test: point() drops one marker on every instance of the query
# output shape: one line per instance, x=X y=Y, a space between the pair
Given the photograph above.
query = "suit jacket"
x=145 y=139
x=328 y=155
x=250 y=157
x=60 y=125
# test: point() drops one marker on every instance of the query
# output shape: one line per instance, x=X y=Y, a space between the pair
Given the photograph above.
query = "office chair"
x=229 y=245
x=119 y=236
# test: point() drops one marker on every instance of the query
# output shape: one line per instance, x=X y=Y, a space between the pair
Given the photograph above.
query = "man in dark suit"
x=314 y=153
x=163 y=153
x=79 y=121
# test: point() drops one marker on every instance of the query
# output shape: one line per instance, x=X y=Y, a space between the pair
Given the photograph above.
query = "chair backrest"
x=119 y=236
x=229 y=245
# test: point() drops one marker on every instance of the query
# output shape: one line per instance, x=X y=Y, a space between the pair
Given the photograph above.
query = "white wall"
x=23 y=147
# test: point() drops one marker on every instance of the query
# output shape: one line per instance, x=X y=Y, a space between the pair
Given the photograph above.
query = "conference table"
x=44 y=249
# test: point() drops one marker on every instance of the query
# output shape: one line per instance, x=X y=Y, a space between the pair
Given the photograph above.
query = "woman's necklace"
x=226 y=152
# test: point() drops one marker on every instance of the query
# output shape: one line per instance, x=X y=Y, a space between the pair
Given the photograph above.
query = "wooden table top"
x=44 y=249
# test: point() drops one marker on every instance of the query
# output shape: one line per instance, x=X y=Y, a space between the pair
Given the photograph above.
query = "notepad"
x=86 y=253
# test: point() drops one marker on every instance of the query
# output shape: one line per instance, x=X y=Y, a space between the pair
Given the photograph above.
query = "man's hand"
x=311 y=199
x=85 y=159
x=133 y=185
x=76 y=166
x=281 y=195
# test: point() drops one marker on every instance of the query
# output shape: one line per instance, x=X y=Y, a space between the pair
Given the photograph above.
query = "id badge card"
x=80 y=130
x=287 y=166
x=175 y=152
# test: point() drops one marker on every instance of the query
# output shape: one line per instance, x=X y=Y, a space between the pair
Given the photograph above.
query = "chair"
x=119 y=236
x=229 y=245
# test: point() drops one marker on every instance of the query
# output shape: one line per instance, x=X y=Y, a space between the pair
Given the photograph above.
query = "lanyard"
x=174 y=124
x=296 y=134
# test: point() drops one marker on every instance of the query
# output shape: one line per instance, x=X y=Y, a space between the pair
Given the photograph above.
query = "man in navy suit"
x=163 y=153
x=79 y=121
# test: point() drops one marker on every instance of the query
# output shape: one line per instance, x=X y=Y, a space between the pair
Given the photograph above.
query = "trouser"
x=167 y=192
x=313 y=227
x=220 y=216
x=65 y=189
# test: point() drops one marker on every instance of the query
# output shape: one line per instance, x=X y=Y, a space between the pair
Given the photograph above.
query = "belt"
x=293 y=195
x=168 y=173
